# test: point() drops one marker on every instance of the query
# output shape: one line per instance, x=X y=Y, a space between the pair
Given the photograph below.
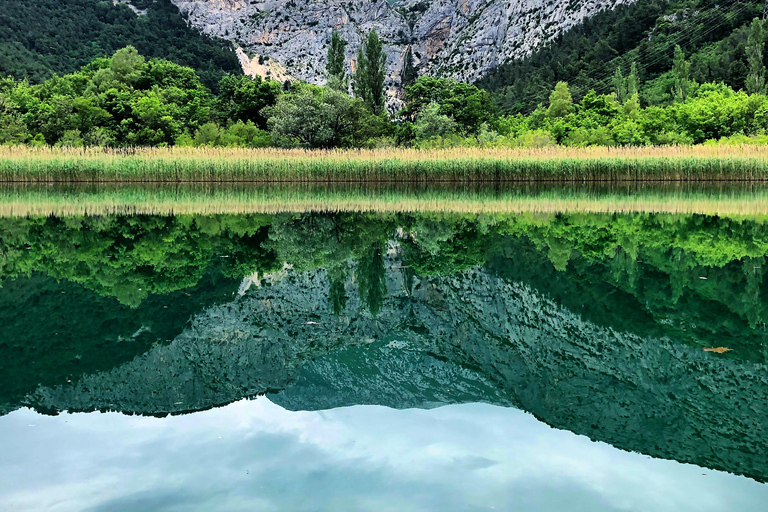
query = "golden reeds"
x=745 y=200
x=678 y=163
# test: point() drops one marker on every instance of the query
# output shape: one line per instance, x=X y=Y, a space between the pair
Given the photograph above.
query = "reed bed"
x=734 y=200
x=216 y=165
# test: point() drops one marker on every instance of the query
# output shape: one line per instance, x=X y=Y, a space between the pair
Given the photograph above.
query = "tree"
x=337 y=58
x=619 y=85
x=314 y=117
x=633 y=82
x=755 y=83
x=370 y=274
x=430 y=123
x=409 y=74
x=370 y=73
x=681 y=72
x=127 y=65
x=560 y=101
x=242 y=98
x=467 y=105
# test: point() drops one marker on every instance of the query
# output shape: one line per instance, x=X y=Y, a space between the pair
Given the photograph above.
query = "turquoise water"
x=383 y=362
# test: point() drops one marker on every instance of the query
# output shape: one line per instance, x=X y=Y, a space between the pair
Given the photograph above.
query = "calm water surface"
x=383 y=362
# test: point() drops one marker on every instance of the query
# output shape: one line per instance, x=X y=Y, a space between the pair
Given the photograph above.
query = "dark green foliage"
x=371 y=277
x=242 y=98
x=370 y=73
x=336 y=66
x=409 y=73
x=41 y=37
x=645 y=32
x=467 y=105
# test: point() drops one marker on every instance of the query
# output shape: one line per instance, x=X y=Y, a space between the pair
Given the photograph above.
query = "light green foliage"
x=633 y=81
x=127 y=65
x=681 y=70
x=560 y=101
x=755 y=83
x=619 y=85
x=104 y=253
x=430 y=123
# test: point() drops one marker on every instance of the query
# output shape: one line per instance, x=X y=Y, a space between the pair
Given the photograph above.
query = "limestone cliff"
x=461 y=39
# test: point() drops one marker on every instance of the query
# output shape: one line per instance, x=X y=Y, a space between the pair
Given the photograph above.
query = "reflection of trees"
x=133 y=257
x=371 y=278
x=337 y=291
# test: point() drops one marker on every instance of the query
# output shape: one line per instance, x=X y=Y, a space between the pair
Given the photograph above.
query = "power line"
x=679 y=36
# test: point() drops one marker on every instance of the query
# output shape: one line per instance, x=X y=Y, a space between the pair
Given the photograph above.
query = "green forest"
x=650 y=73
x=40 y=38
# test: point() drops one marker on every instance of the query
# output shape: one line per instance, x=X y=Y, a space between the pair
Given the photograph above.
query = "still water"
x=397 y=362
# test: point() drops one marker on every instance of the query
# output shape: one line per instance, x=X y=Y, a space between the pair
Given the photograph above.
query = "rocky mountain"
x=473 y=337
x=460 y=39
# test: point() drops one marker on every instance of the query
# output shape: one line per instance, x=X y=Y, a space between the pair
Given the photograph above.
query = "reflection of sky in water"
x=255 y=456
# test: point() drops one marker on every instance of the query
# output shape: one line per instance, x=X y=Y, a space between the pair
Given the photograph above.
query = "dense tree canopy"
x=712 y=34
x=41 y=37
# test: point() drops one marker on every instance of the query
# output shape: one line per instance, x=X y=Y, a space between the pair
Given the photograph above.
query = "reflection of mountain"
x=51 y=331
x=469 y=337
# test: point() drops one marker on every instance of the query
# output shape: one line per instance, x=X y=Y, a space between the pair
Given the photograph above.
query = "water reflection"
x=643 y=331
x=253 y=455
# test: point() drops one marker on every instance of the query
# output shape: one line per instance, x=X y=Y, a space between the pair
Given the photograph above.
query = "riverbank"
x=218 y=165
x=738 y=199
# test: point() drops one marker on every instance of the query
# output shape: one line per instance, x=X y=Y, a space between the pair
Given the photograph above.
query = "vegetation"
x=20 y=164
x=370 y=73
x=128 y=101
x=40 y=38
x=675 y=270
x=713 y=35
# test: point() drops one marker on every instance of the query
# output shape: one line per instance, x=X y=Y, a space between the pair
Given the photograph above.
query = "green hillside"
x=41 y=37
x=713 y=36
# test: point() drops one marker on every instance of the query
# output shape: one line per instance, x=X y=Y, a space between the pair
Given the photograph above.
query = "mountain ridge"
x=460 y=39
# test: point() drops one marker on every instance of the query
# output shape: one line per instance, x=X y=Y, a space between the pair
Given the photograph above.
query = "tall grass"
x=684 y=163
x=724 y=199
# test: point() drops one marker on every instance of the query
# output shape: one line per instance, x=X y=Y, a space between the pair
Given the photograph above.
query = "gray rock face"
x=460 y=39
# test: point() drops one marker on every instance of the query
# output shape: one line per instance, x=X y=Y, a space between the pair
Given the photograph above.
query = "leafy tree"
x=755 y=83
x=336 y=67
x=681 y=71
x=319 y=118
x=560 y=101
x=467 y=105
x=430 y=123
x=633 y=82
x=619 y=85
x=243 y=98
x=370 y=73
